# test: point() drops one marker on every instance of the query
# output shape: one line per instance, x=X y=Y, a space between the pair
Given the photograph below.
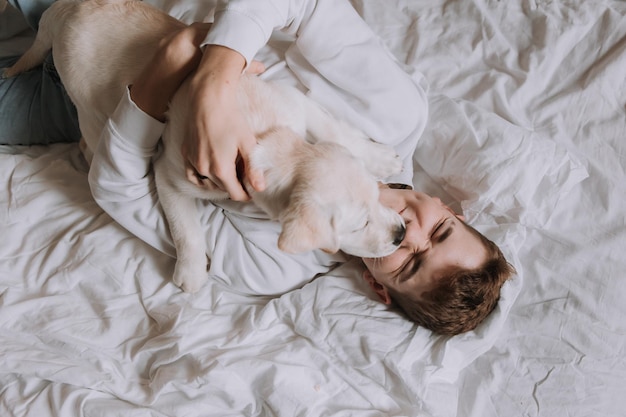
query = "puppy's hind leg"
x=180 y=210
x=38 y=51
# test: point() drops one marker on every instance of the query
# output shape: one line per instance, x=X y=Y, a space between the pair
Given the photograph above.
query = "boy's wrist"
x=219 y=63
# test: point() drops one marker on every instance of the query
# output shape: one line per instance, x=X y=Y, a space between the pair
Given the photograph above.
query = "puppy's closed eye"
x=363 y=226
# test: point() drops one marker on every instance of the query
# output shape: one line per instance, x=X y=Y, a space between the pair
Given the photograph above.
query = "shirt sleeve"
x=246 y=25
x=121 y=177
x=342 y=63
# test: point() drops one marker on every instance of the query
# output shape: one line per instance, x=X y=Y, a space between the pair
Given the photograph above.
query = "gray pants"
x=34 y=107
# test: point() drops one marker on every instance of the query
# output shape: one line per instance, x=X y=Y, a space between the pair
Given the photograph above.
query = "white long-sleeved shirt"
x=340 y=62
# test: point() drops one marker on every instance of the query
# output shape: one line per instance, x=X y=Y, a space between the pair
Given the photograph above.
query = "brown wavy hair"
x=461 y=298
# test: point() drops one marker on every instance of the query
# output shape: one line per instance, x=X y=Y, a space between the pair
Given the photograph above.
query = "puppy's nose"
x=398 y=235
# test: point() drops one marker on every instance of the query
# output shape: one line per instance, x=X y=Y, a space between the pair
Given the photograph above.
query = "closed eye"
x=412 y=266
x=358 y=229
x=441 y=233
x=437 y=227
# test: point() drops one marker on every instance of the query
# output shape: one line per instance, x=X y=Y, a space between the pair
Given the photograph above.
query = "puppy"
x=324 y=192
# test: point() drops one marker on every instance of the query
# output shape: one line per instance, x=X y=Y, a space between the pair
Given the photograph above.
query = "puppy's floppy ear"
x=306 y=227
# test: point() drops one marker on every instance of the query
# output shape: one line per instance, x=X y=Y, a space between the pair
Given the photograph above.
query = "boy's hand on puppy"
x=220 y=142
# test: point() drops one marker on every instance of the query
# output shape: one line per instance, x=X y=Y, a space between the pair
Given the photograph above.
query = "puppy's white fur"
x=324 y=193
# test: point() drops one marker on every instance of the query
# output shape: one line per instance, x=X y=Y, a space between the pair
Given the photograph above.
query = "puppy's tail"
x=38 y=51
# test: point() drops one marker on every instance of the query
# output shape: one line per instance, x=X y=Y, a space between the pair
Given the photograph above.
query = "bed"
x=526 y=135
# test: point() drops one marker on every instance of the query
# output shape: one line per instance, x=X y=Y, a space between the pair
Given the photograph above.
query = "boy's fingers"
x=256 y=178
x=234 y=188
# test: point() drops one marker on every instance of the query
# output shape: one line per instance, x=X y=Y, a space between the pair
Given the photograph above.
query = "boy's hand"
x=220 y=142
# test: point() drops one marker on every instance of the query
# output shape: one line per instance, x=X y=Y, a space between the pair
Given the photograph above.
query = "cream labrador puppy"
x=323 y=191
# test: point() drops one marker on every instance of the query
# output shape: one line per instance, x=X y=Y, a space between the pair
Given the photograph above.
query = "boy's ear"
x=378 y=288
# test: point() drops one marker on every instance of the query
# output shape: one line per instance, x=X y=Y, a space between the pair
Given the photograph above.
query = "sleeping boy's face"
x=436 y=241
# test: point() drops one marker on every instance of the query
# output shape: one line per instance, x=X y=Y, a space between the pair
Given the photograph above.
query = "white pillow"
x=505 y=179
x=493 y=167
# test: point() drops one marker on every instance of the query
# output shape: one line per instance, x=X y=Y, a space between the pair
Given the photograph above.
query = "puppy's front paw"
x=190 y=276
x=380 y=160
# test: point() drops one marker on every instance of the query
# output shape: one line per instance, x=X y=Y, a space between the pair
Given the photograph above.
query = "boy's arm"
x=359 y=80
x=120 y=176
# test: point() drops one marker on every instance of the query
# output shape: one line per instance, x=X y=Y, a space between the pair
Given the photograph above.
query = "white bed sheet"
x=526 y=134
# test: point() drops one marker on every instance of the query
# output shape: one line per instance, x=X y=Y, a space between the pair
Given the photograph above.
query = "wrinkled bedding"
x=526 y=136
